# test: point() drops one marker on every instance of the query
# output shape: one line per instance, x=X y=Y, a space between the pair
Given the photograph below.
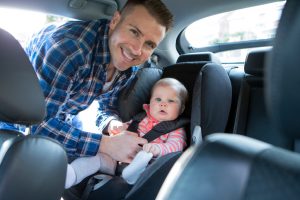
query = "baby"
x=167 y=102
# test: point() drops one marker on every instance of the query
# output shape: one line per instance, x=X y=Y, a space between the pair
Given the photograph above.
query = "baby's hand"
x=152 y=148
x=115 y=127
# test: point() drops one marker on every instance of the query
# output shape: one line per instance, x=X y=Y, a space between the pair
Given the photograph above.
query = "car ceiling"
x=185 y=12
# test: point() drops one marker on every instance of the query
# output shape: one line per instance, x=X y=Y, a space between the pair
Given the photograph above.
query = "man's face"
x=133 y=37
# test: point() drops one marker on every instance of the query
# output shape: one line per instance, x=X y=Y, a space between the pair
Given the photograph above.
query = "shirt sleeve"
x=56 y=64
x=108 y=102
x=107 y=109
x=176 y=141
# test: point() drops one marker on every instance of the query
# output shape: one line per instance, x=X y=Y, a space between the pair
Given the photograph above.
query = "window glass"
x=254 y=23
x=237 y=56
x=22 y=23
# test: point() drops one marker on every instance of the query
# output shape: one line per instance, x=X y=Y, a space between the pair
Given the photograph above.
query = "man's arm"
x=108 y=102
x=56 y=65
x=122 y=147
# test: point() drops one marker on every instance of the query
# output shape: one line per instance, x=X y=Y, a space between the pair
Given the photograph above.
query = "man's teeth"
x=127 y=55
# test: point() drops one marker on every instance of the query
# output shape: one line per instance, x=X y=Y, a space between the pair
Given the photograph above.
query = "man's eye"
x=134 y=32
x=150 y=45
x=158 y=99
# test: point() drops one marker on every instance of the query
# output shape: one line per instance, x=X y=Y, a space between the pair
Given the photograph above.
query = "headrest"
x=21 y=97
x=255 y=62
x=137 y=92
x=186 y=73
x=283 y=72
x=200 y=56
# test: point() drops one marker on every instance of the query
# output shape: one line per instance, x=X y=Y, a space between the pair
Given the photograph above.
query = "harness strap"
x=159 y=129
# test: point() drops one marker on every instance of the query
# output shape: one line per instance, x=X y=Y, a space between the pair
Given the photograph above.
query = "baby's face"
x=165 y=104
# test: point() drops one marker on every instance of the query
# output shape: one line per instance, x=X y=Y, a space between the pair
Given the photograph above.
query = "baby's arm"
x=152 y=148
x=176 y=141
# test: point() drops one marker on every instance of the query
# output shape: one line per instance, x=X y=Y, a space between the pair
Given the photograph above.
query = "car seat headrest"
x=199 y=56
x=255 y=62
x=186 y=73
x=283 y=73
x=21 y=97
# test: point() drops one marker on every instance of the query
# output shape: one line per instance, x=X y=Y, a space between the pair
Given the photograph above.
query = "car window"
x=23 y=23
x=239 y=31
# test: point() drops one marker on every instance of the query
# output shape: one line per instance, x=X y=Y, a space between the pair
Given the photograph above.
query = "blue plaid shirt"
x=70 y=60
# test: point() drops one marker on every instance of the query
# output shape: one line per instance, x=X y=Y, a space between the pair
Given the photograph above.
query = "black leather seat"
x=31 y=167
x=235 y=167
x=252 y=119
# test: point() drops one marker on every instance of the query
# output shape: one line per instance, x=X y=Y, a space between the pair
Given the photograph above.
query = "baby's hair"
x=177 y=85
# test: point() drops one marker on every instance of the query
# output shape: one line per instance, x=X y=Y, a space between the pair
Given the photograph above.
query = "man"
x=79 y=62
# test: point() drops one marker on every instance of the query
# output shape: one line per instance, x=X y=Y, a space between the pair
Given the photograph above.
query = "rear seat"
x=251 y=116
x=248 y=111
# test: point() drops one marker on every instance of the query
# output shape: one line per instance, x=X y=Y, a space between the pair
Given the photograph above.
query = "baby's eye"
x=171 y=101
x=158 y=99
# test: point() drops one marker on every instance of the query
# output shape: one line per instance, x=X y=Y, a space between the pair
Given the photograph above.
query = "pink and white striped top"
x=170 y=142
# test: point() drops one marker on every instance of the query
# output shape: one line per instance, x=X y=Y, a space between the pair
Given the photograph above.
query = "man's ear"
x=115 y=20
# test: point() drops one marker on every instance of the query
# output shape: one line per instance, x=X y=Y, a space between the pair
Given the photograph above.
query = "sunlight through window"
x=23 y=23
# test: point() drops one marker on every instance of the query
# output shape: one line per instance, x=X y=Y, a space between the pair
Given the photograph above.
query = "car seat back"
x=21 y=98
x=252 y=119
x=31 y=167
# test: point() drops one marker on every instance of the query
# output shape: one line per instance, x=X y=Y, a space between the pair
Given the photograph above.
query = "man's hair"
x=155 y=7
x=177 y=85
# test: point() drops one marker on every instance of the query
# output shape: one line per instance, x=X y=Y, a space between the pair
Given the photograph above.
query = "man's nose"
x=137 y=48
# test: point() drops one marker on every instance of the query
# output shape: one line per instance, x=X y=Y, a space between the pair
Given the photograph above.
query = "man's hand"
x=122 y=147
x=115 y=127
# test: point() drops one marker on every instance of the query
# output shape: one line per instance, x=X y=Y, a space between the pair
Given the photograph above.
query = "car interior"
x=243 y=131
